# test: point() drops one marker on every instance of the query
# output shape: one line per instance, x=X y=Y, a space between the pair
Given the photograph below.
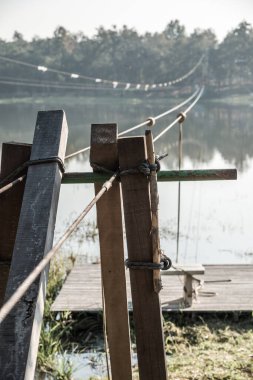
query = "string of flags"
x=115 y=84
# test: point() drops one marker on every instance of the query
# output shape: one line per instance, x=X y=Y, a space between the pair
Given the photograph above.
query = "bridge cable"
x=180 y=115
x=24 y=286
x=114 y=83
x=147 y=122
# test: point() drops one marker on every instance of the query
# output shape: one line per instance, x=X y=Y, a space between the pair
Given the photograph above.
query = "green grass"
x=50 y=360
x=207 y=347
x=212 y=348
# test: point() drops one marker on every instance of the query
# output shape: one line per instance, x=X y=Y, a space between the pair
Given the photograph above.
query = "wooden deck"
x=226 y=288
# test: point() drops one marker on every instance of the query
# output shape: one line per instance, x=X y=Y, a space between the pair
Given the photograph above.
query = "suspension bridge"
x=31 y=177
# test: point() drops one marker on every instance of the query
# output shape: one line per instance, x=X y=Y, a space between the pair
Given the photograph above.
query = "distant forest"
x=124 y=55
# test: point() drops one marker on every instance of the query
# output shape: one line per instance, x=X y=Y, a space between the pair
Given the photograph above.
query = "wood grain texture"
x=146 y=303
x=19 y=333
x=154 y=200
x=82 y=290
x=104 y=152
x=13 y=155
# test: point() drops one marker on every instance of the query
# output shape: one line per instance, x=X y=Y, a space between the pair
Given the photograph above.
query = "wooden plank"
x=181 y=269
x=146 y=302
x=82 y=290
x=13 y=155
x=104 y=152
x=19 y=333
x=162 y=176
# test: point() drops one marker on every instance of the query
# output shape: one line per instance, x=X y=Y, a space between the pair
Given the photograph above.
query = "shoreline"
x=235 y=100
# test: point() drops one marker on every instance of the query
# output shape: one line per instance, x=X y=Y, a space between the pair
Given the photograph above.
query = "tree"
x=174 y=30
x=17 y=36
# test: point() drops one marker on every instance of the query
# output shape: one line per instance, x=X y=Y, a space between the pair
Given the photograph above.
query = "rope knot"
x=151 y=121
x=182 y=116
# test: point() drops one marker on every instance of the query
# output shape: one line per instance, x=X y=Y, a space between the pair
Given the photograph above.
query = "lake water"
x=215 y=216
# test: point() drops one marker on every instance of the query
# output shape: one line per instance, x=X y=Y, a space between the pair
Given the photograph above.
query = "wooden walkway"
x=226 y=288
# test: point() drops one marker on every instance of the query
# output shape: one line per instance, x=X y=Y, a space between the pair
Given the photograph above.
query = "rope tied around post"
x=13 y=175
x=164 y=264
x=144 y=167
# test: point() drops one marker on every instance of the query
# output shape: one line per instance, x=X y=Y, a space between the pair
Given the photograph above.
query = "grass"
x=211 y=348
x=51 y=345
x=198 y=347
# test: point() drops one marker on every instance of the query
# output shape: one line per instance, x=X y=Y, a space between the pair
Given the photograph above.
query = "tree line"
x=124 y=55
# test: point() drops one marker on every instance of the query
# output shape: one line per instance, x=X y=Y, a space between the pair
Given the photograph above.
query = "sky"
x=41 y=17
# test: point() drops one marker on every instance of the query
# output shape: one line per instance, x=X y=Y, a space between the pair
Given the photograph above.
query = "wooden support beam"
x=13 y=155
x=154 y=202
x=104 y=152
x=146 y=302
x=19 y=332
x=162 y=176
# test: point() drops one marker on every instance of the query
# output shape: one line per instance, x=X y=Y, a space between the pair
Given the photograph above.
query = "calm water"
x=215 y=216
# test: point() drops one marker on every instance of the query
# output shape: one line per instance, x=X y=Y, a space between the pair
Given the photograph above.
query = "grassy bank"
x=198 y=347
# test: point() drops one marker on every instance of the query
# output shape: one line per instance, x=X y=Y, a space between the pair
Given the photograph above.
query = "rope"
x=180 y=157
x=12 y=184
x=114 y=83
x=147 y=122
x=144 y=167
x=21 y=290
x=39 y=161
x=164 y=264
x=180 y=115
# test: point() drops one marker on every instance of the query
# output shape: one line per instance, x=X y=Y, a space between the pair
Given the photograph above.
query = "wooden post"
x=104 y=152
x=19 y=333
x=13 y=155
x=146 y=302
x=154 y=201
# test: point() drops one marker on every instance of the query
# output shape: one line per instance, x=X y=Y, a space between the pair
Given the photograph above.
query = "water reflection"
x=216 y=216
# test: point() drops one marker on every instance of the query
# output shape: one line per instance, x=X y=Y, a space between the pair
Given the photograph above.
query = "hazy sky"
x=41 y=17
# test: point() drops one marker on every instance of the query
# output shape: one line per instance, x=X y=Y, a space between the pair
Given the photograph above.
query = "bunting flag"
x=114 y=83
x=42 y=68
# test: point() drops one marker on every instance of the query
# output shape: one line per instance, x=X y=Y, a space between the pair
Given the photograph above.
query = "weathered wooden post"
x=146 y=302
x=13 y=155
x=104 y=153
x=19 y=332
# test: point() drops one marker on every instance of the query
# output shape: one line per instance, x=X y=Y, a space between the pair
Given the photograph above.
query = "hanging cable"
x=20 y=291
x=147 y=122
x=180 y=116
x=143 y=123
x=114 y=83
x=180 y=157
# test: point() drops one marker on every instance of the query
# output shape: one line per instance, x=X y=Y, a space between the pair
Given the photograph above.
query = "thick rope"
x=147 y=122
x=180 y=157
x=180 y=115
x=21 y=290
x=14 y=182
